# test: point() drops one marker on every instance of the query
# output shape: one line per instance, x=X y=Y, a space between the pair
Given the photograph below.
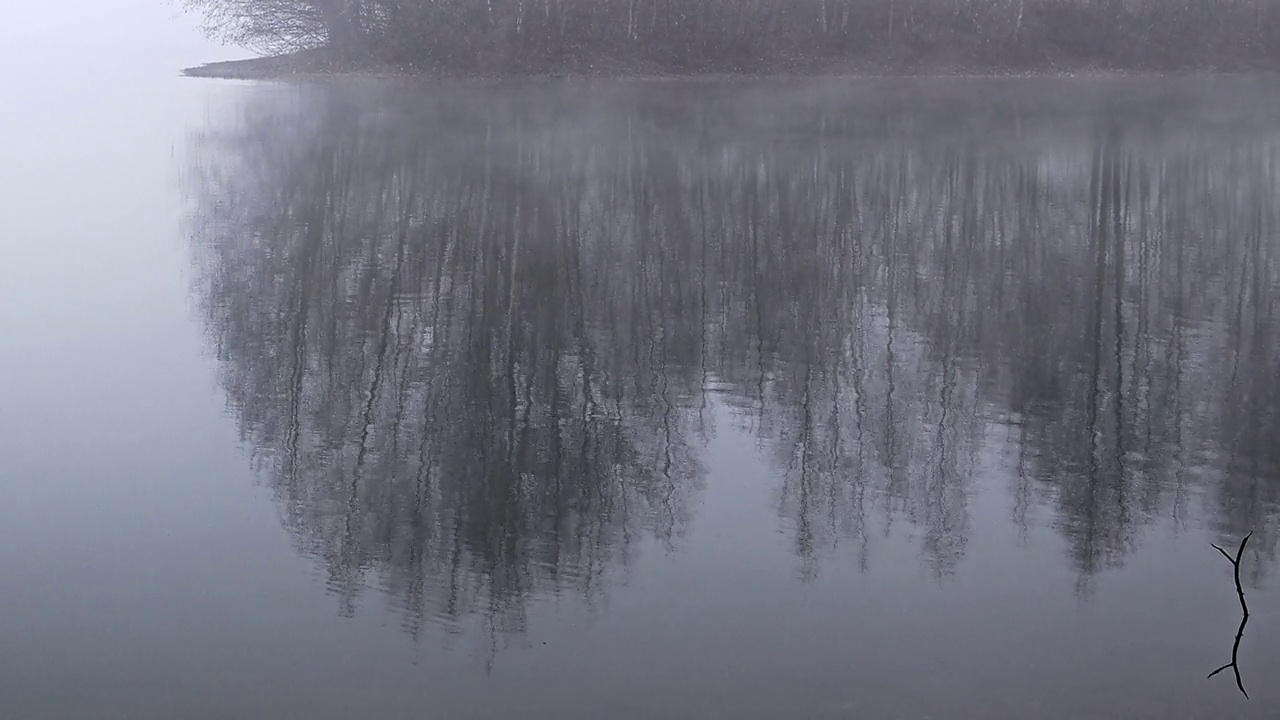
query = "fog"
x=577 y=398
x=53 y=41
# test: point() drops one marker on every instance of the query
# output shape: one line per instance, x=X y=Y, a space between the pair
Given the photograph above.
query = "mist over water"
x=884 y=399
x=482 y=339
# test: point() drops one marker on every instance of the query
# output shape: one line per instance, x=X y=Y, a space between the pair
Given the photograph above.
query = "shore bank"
x=315 y=64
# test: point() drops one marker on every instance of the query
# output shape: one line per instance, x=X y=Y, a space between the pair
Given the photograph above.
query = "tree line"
x=654 y=36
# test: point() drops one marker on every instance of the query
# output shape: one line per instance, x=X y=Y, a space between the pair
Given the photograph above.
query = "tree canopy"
x=278 y=26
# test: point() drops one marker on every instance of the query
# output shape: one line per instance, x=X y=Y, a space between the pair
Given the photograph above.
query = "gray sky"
x=59 y=37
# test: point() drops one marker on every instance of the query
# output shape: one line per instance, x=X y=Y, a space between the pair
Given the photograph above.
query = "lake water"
x=837 y=399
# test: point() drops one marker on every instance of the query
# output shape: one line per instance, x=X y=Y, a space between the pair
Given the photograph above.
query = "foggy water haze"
x=840 y=398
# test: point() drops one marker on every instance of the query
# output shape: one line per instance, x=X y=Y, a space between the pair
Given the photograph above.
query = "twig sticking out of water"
x=1244 y=612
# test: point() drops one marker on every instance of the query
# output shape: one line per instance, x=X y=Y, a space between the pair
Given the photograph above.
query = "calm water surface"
x=910 y=399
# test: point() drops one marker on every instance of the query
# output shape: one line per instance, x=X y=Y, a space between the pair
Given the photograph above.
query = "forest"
x=675 y=37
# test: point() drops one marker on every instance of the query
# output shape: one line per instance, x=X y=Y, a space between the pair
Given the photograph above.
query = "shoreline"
x=315 y=66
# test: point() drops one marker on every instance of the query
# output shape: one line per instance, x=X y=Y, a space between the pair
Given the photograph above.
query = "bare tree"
x=277 y=26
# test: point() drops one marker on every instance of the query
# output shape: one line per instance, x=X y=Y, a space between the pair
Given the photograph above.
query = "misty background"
x=52 y=41
x=931 y=394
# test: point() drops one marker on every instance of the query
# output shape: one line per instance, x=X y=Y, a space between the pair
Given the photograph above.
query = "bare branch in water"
x=1244 y=613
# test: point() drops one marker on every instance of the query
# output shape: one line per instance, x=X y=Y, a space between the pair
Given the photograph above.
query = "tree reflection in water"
x=474 y=336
